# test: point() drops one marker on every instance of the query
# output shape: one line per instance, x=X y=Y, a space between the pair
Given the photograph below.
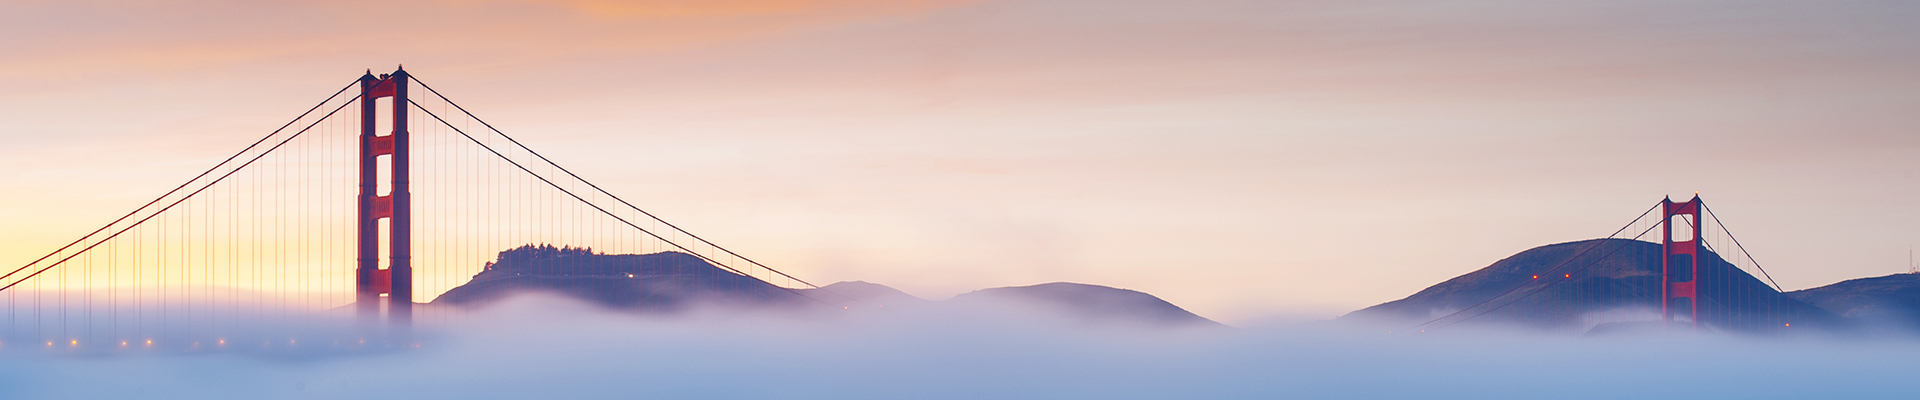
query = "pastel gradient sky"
x=1245 y=159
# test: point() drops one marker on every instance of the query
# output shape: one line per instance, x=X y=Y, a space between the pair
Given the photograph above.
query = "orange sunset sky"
x=1244 y=159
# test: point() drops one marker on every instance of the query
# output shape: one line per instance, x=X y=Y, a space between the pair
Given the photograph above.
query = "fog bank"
x=537 y=347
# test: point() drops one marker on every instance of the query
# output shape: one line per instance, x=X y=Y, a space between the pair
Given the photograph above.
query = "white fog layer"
x=550 y=348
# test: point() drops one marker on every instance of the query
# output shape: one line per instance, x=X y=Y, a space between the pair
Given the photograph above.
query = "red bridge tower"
x=396 y=280
x=1680 y=259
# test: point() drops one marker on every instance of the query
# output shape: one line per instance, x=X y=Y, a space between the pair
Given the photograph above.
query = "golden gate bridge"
x=351 y=211
x=328 y=231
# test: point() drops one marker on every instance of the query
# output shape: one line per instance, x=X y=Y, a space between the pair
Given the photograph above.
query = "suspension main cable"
x=170 y=206
x=1536 y=290
x=1569 y=260
x=604 y=191
x=183 y=185
x=616 y=217
x=1743 y=249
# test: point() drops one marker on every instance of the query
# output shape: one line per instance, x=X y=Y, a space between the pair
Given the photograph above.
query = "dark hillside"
x=1614 y=280
x=1089 y=303
x=665 y=281
x=671 y=281
x=1892 y=300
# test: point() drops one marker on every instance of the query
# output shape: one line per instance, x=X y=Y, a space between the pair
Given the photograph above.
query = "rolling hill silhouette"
x=659 y=282
x=1580 y=285
x=673 y=281
x=1891 y=301
x=1087 y=304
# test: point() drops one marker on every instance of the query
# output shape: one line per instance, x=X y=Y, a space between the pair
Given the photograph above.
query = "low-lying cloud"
x=548 y=347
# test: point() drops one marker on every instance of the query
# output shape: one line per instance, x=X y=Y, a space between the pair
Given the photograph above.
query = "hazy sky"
x=1240 y=158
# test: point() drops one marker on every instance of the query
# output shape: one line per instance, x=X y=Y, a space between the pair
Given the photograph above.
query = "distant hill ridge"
x=1091 y=303
x=658 y=282
x=1890 y=301
x=673 y=281
x=1597 y=281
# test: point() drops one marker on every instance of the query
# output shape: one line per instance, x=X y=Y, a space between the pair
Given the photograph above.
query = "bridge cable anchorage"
x=570 y=173
x=1549 y=271
x=597 y=188
x=190 y=195
x=604 y=211
x=189 y=182
x=1743 y=249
